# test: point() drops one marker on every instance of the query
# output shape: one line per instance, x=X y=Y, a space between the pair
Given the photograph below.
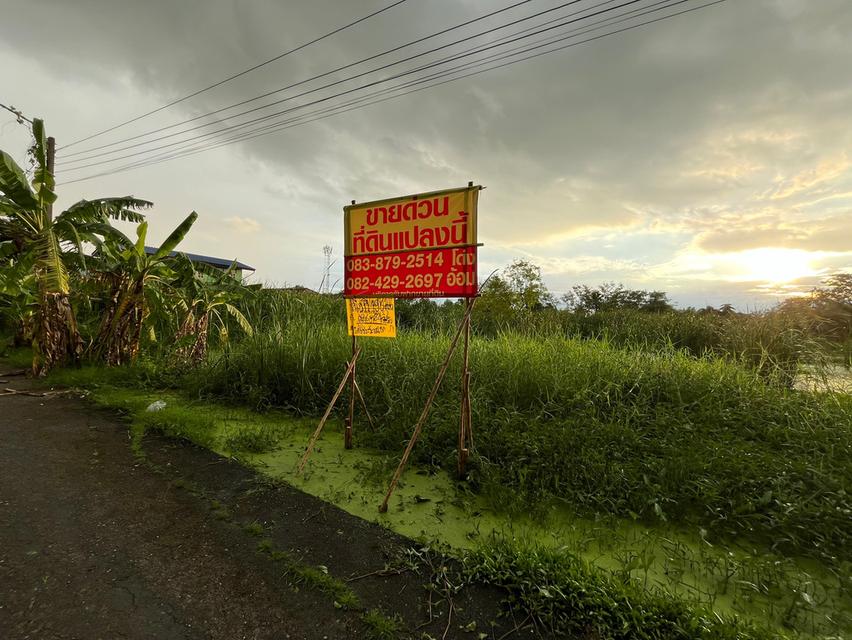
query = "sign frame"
x=398 y=272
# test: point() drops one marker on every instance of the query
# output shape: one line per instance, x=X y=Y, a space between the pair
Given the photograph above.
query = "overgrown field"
x=568 y=575
x=660 y=420
x=615 y=409
x=651 y=435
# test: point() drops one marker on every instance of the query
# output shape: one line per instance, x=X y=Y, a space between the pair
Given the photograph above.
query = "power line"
x=19 y=116
x=476 y=49
x=327 y=73
x=365 y=100
x=237 y=75
x=294 y=122
x=479 y=49
x=359 y=75
x=279 y=127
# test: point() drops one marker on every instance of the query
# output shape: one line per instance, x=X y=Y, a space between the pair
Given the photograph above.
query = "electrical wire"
x=238 y=75
x=368 y=100
x=337 y=109
x=474 y=50
x=185 y=153
x=362 y=74
x=494 y=57
x=316 y=77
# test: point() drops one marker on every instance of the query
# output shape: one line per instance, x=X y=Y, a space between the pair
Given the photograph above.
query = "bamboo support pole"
x=347 y=433
x=461 y=435
x=469 y=418
x=425 y=414
x=464 y=425
x=337 y=393
x=364 y=405
x=469 y=424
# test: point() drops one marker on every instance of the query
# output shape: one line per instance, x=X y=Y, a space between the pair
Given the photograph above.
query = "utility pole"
x=51 y=157
x=51 y=148
x=326 y=278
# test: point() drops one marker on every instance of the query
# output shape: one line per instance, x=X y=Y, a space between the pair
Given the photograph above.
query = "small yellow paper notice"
x=371 y=317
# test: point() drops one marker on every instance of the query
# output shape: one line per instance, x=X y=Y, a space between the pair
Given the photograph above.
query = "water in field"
x=798 y=596
x=831 y=378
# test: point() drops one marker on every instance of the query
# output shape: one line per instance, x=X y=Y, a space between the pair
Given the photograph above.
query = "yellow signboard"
x=440 y=219
x=371 y=317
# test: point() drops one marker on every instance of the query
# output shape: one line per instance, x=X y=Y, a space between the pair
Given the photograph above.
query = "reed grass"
x=645 y=433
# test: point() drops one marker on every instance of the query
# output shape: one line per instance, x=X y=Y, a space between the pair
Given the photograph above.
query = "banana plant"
x=27 y=223
x=208 y=297
x=18 y=295
x=136 y=282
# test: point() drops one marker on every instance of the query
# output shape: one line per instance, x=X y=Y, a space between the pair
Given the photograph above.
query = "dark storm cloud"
x=623 y=114
x=730 y=124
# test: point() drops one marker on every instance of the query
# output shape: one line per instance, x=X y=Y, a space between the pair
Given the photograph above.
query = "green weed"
x=381 y=626
x=641 y=433
x=255 y=438
x=254 y=529
x=564 y=597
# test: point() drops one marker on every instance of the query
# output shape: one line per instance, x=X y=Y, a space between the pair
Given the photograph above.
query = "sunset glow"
x=680 y=169
x=774 y=265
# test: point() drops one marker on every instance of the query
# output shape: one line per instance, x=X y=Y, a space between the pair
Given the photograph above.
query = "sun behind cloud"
x=774 y=271
x=774 y=265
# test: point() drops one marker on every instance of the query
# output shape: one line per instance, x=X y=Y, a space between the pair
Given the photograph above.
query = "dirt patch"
x=99 y=542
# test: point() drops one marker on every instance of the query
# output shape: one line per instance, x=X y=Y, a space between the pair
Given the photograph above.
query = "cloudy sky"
x=707 y=155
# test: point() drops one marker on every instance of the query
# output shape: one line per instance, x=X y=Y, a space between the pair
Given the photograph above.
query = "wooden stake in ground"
x=425 y=414
x=465 y=431
x=347 y=432
x=364 y=405
x=331 y=404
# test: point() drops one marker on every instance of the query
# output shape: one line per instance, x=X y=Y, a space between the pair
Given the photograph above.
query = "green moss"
x=381 y=626
x=254 y=529
x=319 y=578
x=314 y=577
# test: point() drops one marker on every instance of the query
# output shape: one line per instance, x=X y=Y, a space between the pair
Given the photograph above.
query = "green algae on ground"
x=784 y=593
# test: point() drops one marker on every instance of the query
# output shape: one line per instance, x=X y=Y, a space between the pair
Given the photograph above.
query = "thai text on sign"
x=414 y=246
x=371 y=317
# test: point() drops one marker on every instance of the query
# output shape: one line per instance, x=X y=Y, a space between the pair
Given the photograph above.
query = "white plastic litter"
x=158 y=405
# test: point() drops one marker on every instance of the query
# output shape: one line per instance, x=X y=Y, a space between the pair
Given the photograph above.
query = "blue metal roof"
x=212 y=261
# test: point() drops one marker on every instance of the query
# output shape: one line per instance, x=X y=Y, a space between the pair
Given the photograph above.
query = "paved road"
x=97 y=543
x=94 y=544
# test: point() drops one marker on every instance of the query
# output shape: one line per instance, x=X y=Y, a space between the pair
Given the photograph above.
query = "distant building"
x=218 y=263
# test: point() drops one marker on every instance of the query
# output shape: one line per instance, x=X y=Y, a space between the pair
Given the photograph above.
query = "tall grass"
x=641 y=433
x=772 y=344
x=566 y=598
